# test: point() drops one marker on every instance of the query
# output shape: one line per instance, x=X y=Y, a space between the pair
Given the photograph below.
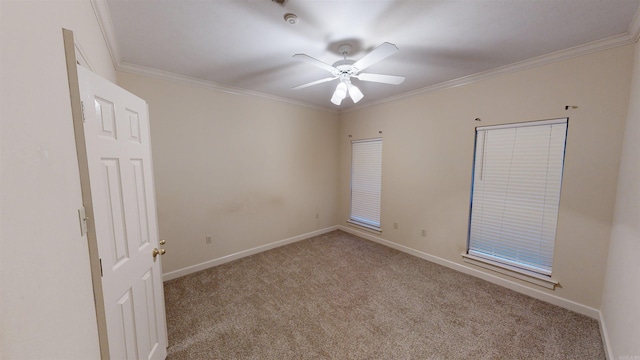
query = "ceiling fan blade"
x=385 y=79
x=381 y=52
x=314 y=83
x=313 y=61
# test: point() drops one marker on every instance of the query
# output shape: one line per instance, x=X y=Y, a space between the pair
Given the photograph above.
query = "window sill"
x=524 y=275
x=364 y=227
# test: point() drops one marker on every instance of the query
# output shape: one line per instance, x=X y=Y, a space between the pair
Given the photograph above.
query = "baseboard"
x=225 y=259
x=608 y=352
x=553 y=299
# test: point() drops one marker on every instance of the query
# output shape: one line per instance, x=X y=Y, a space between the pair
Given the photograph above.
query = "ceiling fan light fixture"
x=336 y=99
x=341 y=90
x=355 y=93
x=340 y=93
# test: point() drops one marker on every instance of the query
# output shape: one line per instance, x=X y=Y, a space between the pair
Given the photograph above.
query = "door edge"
x=83 y=166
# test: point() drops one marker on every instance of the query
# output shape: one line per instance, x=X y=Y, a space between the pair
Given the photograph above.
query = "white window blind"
x=516 y=193
x=366 y=182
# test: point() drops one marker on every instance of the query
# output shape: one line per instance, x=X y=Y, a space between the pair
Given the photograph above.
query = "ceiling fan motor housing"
x=344 y=66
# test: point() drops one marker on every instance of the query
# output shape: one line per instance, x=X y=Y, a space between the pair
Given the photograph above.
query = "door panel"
x=116 y=131
x=126 y=339
x=141 y=215
x=114 y=230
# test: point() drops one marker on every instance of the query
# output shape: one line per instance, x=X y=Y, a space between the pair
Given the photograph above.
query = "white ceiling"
x=246 y=46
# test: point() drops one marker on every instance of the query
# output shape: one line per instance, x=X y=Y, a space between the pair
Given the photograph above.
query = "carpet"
x=337 y=296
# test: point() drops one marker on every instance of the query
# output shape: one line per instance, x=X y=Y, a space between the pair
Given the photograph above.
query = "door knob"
x=157 y=252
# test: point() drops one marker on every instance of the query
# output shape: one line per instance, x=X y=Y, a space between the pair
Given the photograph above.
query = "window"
x=366 y=183
x=516 y=192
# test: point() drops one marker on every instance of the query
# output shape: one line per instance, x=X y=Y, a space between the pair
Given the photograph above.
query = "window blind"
x=366 y=182
x=516 y=192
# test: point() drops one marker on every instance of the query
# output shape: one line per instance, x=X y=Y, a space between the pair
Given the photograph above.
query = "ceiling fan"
x=346 y=69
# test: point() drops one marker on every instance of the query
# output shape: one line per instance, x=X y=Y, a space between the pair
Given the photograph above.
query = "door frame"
x=85 y=187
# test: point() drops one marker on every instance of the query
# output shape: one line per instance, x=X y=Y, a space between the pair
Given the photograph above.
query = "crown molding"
x=576 y=51
x=166 y=75
x=634 y=28
x=103 y=15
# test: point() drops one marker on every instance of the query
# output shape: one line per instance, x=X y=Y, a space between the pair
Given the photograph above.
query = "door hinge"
x=83 y=221
x=82 y=107
x=101 y=275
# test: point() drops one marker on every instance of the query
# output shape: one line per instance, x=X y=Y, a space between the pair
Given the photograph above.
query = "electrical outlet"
x=208 y=240
x=423 y=232
x=395 y=225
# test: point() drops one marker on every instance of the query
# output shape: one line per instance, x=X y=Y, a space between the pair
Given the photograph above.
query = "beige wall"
x=247 y=171
x=46 y=308
x=621 y=298
x=428 y=153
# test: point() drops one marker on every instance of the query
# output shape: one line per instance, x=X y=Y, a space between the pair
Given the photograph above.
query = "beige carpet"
x=337 y=296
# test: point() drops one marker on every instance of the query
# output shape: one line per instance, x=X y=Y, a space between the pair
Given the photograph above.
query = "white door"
x=116 y=131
